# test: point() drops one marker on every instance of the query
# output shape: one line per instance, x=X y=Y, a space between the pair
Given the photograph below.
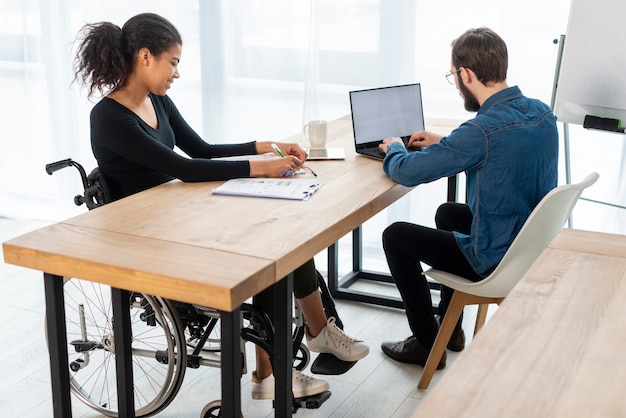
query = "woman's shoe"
x=333 y=340
x=301 y=386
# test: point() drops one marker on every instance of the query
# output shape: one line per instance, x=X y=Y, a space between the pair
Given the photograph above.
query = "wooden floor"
x=375 y=387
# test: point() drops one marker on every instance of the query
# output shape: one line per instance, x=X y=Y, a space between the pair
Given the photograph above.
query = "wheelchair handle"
x=56 y=166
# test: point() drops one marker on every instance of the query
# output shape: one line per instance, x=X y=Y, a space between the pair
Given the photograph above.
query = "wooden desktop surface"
x=282 y=231
x=180 y=241
x=555 y=347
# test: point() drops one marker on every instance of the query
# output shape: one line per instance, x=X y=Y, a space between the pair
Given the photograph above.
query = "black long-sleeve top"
x=133 y=156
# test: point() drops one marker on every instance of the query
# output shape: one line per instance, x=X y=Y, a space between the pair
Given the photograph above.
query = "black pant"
x=407 y=244
x=304 y=283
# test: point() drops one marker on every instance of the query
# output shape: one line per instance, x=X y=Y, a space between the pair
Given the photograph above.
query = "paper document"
x=284 y=188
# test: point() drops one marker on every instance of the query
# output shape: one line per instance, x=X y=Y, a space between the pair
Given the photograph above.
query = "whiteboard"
x=592 y=76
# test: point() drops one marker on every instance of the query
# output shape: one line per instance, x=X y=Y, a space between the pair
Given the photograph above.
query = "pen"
x=291 y=171
x=278 y=151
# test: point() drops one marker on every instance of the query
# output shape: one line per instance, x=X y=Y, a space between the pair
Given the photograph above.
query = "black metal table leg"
x=452 y=189
x=231 y=363
x=122 y=334
x=57 y=346
x=340 y=288
x=283 y=347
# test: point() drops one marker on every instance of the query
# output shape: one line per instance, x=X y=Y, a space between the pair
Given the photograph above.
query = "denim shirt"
x=509 y=153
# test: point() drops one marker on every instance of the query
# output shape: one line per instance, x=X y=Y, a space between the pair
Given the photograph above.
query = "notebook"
x=384 y=112
x=275 y=188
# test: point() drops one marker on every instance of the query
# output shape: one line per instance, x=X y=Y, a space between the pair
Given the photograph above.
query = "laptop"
x=384 y=112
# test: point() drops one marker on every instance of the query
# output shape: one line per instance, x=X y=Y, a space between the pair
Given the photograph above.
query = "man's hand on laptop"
x=423 y=139
x=387 y=141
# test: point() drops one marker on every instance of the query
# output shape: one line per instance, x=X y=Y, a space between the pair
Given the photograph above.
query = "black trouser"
x=407 y=244
x=304 y=283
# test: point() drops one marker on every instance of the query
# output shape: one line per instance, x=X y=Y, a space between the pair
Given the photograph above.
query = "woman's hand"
x=285 y=147
x=275 y=167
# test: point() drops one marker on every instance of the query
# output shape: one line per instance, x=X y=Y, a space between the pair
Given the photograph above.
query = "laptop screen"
x=383 y=112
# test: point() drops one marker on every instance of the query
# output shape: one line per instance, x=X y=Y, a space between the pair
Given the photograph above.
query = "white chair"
x=543 y=224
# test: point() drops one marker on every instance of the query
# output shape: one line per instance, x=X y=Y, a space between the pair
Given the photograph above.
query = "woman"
x=134 y=130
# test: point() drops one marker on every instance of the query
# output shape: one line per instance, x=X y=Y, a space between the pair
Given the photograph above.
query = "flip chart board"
x=592 y=75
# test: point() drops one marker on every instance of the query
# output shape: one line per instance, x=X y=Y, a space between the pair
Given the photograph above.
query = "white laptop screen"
x=387 y=111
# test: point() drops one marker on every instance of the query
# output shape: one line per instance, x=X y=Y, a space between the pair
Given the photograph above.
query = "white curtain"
x=258 y=69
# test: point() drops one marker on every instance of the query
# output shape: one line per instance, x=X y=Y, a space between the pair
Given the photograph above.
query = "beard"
x=470 y=102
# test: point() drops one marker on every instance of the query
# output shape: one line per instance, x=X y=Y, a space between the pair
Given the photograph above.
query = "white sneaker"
x=334 y=341
x=301 y=386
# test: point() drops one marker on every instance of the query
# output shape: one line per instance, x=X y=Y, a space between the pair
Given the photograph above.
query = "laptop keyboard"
x=373 y=152
x=377 y=153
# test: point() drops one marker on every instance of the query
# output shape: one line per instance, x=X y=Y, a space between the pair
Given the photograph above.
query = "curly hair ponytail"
x=100 y=63
x=105 y=51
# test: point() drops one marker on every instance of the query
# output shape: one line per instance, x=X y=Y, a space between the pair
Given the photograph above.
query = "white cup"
x=316 y=132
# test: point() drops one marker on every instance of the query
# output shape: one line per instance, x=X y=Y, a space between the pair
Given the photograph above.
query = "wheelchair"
x=167 y=336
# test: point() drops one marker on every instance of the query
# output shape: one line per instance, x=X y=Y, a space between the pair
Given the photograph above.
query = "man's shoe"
x=457 y=339
x=334 y=341
x=410 y=351
x=301 y=386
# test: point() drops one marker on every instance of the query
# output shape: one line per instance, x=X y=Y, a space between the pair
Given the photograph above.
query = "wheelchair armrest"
x=98 y=193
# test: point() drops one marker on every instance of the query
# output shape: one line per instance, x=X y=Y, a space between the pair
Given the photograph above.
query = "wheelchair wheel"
x=213 y=409
x=301 y=357
x=158 y=348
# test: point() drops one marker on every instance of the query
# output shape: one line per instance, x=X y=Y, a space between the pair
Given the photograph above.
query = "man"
x=509 y=153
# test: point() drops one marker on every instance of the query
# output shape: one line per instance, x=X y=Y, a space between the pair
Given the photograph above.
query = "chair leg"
x=481 y=317
x=483 y=307
x=443 y=336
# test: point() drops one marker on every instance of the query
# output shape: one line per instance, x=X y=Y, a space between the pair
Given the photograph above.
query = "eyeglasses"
x=450 y=76
x=302 y=172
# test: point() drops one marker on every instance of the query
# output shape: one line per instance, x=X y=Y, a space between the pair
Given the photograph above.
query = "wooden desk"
x=555 y=346
x=132 y=262
x=211 y=250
